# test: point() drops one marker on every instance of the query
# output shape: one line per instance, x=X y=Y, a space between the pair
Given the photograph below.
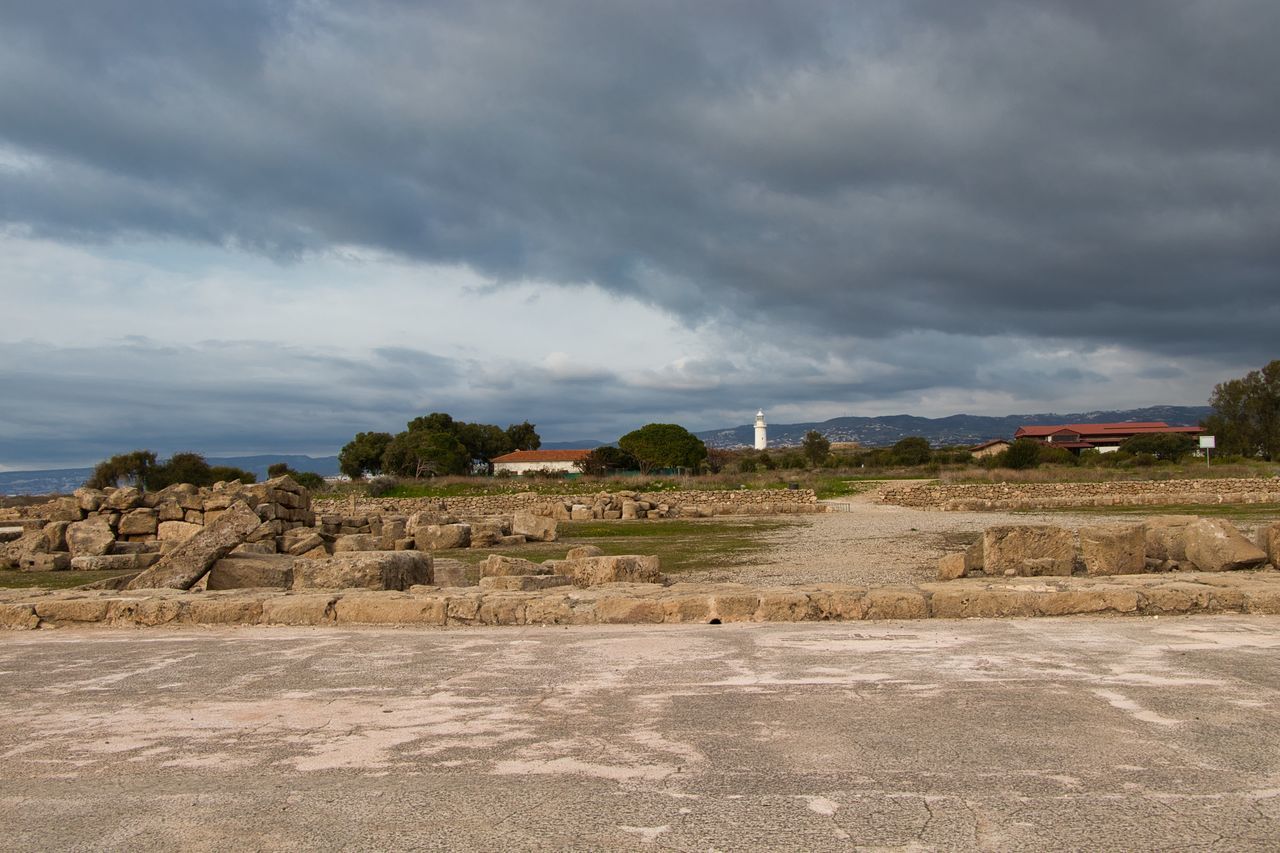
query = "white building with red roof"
x=1102 y=437
x=525 y=461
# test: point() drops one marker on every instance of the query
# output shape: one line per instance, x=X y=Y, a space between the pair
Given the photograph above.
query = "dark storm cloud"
x=1097 y=171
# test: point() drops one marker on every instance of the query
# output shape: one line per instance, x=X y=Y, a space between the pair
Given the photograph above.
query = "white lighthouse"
x=762 y=433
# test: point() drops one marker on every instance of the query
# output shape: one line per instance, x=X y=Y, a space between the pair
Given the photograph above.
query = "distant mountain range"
x=869 y=432
x=66 y=480
x=954 y=430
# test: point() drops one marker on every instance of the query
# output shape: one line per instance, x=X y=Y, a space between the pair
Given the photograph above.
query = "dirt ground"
x=874 y=544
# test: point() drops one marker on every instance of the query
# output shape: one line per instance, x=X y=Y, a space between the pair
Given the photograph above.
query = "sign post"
x=1207 y=443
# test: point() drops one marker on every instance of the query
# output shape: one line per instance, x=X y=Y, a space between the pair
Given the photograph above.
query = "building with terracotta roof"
x=1102 y=437
x=990 y=448
x=525 y=461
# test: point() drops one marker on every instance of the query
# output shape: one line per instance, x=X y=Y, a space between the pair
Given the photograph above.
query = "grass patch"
x=53 y=580
x=1251 y=513
x=681 y=544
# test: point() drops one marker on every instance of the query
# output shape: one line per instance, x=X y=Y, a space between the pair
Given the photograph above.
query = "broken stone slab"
x=252 y=571
x=951 y=567
x=300 y=540
x=497 y=565
x=192 y=559
x=1028 y=549
x=139 y=522
x=1214 y=545
x=114 y=563
x=442 y=537
x=583 y=551
x=356 y=542
x=535 y=528
x=625 y=568
x=523 y=583
x=396 y=570
x=1119 y=549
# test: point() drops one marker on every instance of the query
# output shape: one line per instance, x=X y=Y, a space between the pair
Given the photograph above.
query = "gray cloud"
x=841 y=179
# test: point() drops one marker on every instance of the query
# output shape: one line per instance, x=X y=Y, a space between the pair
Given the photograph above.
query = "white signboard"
x=1207 y=442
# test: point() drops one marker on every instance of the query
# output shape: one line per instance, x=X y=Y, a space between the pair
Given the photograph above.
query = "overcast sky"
x=241 y=227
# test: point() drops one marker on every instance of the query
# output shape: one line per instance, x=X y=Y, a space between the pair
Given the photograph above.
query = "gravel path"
x=874 y=544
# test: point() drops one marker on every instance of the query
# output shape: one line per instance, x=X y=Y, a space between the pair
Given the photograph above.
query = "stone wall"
x=599 y=505
x=1006 y=496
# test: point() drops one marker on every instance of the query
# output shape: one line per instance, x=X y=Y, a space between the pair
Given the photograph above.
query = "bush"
x=381 y=486
x=912 y=450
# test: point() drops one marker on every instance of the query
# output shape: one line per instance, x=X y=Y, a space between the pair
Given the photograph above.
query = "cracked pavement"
x=1139 y=734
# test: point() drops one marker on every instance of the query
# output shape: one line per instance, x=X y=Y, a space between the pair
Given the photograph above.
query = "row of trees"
x=433 y=445
x=141 y=469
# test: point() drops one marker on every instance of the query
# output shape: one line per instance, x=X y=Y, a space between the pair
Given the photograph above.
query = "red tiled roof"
x=1104 y=430
x=543 y=456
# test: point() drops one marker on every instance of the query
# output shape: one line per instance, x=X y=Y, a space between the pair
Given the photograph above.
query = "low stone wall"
x=1243 y=592
x=679 y=504
x=1013 y=496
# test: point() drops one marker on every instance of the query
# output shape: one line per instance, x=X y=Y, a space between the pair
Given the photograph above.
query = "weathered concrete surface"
x=1083 y=734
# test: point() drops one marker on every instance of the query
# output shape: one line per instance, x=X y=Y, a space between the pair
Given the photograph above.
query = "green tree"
x=1171 y=447
x=131 y=468
x=306 y=479
x=912 y=450
x=523 y=436
x=424 y=452
x=1246 y=414
x=363 y=454
x=1023 y=453
x=605 y=460
x=226 y=473
x=816 y=447
x=664 y=446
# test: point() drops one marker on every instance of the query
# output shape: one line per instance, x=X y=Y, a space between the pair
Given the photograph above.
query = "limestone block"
x=535 y=528
x=1214 y=545
x=497 y=565
x=112 y=563
x=581 y=512
x=1114 y=549
x=512 y=540
x=307 y=609
x=523 y=583
x=151 y=546
x=67 y=610
x=451 y=573
x=245 y=571
x=45 y=562
x=193 y=516
x=55 y=535
x=230 y=610
x=630 y=509
x=397 y=570
x=169 y=510
x=300 y=540
x=89 y=500
x=485 y=538
x=264 y=547
x=176 y=531
x=583 y=551
x=1166 y=536
x=627 y=568
x=390 y=609
x=123 y=499
x=973 y=559
x=357 y=542
x=139 y=522
x=90 y=538
x=189 y=561
x=442 y=537
x=1032 y=550
x=895 y=603
x=1270 y=542
x=951 y=566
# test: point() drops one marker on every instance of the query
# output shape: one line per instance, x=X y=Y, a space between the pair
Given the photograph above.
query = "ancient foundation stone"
x=90 y=538
x=1032 y=550
x=1114 y=549
x=535 y=528
x=396 y=570
x=244 y=571
x=628 y=568
x=442 y=537
x=496 y=565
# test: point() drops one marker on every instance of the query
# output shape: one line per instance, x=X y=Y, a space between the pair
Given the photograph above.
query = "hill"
x=942 y=432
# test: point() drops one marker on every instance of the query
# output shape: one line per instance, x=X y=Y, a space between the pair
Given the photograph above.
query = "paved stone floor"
x=1071 y=734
